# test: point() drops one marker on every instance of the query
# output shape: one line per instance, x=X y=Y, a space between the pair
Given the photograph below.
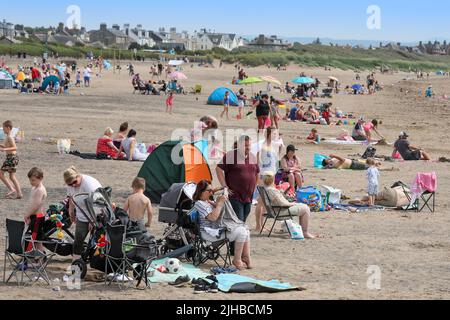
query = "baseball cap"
x=404 y=134
x=291 y=148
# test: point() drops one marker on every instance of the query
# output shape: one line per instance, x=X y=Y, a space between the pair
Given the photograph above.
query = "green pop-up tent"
x=170 y=163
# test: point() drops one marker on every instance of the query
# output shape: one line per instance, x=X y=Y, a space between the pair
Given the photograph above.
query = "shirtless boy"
x=11 y=163
x=36 y=210
x=138 y=204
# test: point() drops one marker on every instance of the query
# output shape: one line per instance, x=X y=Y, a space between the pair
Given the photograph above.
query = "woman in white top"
x=268 y=161
x=130 y=147
x=77 y=184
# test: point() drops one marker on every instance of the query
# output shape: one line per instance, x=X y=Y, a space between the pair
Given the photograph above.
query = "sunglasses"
x=74 y=183
x=209 y=190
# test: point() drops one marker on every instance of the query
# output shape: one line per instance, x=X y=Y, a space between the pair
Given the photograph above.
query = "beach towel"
x=187 y=270
x=233 y=283
x=357 y=208
x=345 y=142
x=423 y=182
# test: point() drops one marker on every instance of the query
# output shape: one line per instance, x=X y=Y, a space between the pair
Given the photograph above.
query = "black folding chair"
x=22 y=261
x=273 y=212
x=218 y=251
x=118 y=264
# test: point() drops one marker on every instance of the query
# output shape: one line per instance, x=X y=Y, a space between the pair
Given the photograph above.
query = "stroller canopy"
x=178 y=193
x=171 y=163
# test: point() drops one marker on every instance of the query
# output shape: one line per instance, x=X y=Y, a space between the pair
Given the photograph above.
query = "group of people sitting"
x=122 y=146
x=314 y=115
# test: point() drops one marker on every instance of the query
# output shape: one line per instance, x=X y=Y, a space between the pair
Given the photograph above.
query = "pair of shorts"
x=11 y=163
x=264 y=122
x=357 y=165
x=414 y=156
x=372 y=190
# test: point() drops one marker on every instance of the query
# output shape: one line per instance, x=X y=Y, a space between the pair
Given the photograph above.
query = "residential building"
x=6 y=29
x=110 y=37
x=272 y=43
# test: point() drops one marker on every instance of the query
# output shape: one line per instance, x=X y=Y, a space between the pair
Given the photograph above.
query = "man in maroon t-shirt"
x=238 y=171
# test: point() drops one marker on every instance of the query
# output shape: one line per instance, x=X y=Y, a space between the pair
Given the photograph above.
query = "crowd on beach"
x=46 y=78
x=239 y=171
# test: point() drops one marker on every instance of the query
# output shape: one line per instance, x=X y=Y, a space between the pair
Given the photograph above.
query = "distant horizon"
x=405 y=21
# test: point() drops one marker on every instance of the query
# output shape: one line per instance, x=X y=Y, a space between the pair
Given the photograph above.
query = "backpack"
x=370 y=153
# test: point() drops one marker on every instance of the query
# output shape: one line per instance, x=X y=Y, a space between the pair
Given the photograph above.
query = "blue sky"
x=402 y=20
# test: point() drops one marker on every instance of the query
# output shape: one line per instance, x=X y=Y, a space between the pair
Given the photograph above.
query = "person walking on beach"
x=226 y=105
x=169 y=103
x=10 y=164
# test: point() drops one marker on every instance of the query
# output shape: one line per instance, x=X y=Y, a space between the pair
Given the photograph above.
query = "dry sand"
x=411 y=249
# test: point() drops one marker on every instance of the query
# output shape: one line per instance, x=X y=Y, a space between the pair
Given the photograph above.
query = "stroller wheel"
x=81 y=267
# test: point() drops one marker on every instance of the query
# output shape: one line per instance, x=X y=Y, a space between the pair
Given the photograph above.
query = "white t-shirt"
x=88 y=185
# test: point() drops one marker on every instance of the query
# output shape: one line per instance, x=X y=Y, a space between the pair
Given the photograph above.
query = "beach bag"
x=295 y=229
x=312 y=198
x=142 y=148
x=151 y=149
x=318 y=160
x=64 y=146
x=370 y=153
x=331 y=195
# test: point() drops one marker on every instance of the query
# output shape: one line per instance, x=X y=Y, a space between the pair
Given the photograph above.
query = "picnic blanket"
x=188 y=270
x=233 y=283
x=358 y=208
x=347 y=143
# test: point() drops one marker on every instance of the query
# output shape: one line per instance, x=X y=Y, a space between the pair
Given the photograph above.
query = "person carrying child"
x=372 y=175
x=11 y=163
x=138 y=204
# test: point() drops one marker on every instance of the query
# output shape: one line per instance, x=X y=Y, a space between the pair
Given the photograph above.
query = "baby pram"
x=62 y=246
x=101 y=214
x=175 y=205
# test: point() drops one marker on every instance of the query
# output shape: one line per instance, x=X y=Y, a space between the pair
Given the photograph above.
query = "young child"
x=226 y=105
x=169 y=103
x=78 y=79
x=34 y=216
x=137 y=204
x=314 y=137
x=11 y=163
x=372 y=177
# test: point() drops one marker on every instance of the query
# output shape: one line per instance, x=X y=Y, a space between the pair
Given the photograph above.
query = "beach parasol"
x=176 y=63
x=333 y=78
x=271 y=80
x=251 y=81
x=178 y=75
x=303 y=80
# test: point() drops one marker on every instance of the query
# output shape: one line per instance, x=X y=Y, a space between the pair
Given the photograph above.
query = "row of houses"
x=122 y=37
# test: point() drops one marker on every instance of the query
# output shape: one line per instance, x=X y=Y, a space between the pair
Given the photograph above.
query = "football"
x=173 y=266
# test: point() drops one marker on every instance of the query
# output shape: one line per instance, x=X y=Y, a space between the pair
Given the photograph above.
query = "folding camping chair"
x=118 y=263
x=218 y=251
x=273 y=212
x=428 y=198
x=21 y=261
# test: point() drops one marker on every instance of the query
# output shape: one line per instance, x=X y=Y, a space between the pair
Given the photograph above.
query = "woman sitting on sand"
x=106 y=147
x=292 y=169
x=121 y=135
x=130 y=146
x=277 y=198
x=209 y=214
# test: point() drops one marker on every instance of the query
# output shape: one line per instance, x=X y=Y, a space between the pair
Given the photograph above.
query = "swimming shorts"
x=11 y=163
x=357 y=165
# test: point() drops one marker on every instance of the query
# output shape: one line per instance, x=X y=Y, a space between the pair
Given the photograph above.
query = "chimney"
x=103 y=27
x=116 y=27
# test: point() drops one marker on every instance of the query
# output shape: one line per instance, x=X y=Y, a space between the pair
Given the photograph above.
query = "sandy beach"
x=411 y=249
